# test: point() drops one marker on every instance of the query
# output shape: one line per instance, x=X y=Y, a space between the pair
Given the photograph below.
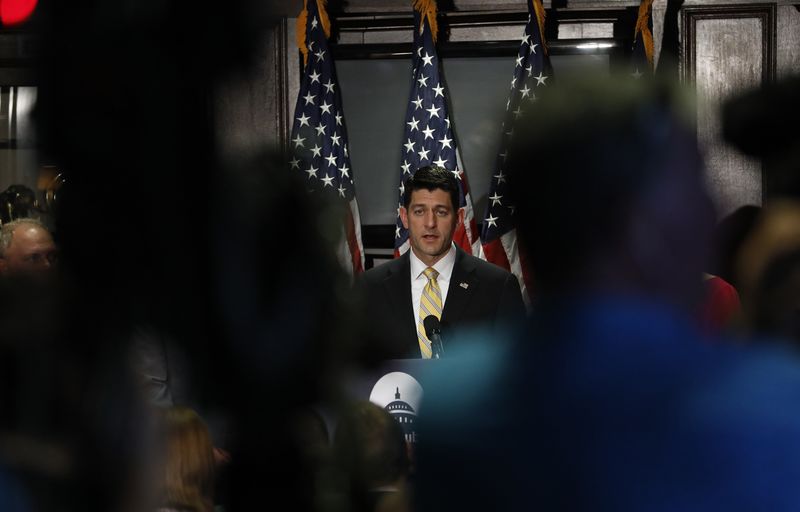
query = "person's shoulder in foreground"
x=605 y=408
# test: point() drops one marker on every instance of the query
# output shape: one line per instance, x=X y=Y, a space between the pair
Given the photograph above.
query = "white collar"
x=444 y=266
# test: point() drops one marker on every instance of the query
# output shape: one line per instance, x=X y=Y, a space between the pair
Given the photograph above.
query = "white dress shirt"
x=418 y=280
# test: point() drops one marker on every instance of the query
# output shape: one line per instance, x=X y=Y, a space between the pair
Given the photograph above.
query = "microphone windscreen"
x=432 y=325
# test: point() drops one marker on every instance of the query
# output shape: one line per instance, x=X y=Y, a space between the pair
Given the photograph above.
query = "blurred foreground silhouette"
x=228 y=259
x=611 y=399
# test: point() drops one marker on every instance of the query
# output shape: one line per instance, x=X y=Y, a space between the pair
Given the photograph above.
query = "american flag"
x=531 y=72
x=642 y=59
x=428 y=137
x=319 y=136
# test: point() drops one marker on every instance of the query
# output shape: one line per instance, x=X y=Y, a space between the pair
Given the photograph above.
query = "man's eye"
x=441 y=213
x=418 y=212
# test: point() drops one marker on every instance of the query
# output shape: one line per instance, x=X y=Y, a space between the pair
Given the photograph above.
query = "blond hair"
x=189 y=482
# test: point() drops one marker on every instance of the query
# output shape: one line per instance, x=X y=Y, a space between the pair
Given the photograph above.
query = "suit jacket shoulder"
x=387 y=312
x=481 y=292
x=486 y=269
x=381 y=272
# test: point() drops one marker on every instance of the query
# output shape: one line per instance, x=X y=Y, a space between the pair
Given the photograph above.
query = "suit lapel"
x=463 y=283
x=398 y=289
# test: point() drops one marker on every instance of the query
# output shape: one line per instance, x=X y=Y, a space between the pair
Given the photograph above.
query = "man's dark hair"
x=432 y=178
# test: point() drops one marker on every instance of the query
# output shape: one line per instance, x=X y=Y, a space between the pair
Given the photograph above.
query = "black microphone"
x=433 y=329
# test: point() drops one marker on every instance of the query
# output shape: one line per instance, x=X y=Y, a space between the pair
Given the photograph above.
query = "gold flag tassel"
x=427 y=8
x=302 y=19
x=643 y=28
x=538 y=8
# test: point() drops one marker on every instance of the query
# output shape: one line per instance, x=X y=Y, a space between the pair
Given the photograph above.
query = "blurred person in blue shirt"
x=610 y=399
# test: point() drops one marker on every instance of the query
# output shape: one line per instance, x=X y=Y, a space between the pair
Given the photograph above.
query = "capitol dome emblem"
x=400 y=394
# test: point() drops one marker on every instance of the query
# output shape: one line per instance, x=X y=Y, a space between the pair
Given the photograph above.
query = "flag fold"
x=532 y=71
x=428 y=134
x=318 y=146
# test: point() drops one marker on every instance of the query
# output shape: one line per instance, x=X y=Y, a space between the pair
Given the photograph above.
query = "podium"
x=396 y=386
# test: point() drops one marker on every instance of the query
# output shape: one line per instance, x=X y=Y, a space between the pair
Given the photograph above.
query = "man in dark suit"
x=434 y=277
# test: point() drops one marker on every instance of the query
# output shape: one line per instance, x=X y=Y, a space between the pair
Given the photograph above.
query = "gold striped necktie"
x=429 y=304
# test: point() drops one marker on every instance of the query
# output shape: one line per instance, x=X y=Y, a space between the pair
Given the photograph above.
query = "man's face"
x=32 y=252
x=431 y=221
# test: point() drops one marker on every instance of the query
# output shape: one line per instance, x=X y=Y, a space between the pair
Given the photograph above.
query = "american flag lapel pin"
x=464 y=285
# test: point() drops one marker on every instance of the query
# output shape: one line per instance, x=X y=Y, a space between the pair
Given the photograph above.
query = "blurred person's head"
x=609 y=190
x=308 y=431
x=26 y=248
x=430 y=212
x=372 y=446
x=729 y=235
x=189 y=462
x=284 y=319
x=768 y=268
x=311 y=434
x=762 y=123
x=775 y=307
x=16 y=202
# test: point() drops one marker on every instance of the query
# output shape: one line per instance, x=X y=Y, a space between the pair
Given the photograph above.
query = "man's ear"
x=404 y=216
x=460 y=216
x=3 y=266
